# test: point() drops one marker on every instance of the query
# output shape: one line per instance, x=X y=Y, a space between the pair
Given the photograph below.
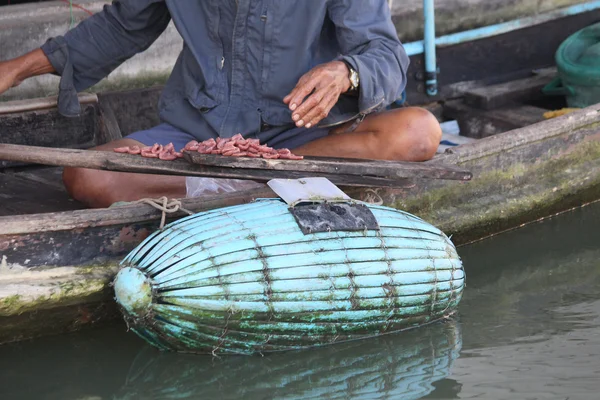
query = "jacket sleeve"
x=369 y=42
x=94 y=48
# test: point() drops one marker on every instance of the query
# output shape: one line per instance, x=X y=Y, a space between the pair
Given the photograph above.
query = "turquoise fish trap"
x=247 y=279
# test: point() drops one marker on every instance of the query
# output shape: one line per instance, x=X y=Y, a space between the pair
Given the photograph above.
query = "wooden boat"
x=58 y=258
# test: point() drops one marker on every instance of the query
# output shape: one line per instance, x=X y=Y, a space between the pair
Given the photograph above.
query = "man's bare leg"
x=405 y=134
x=410 y=134
x=96 y=188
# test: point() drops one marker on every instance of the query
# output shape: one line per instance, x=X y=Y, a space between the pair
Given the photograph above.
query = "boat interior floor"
x=34 y=190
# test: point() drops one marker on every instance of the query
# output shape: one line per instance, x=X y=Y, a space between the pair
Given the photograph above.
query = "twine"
x=165 y=205
x=372 y=197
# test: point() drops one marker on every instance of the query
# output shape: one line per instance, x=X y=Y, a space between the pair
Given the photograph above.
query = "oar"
x=257 y=170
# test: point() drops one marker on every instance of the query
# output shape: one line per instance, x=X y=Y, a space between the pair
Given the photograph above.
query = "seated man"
x=310 y=75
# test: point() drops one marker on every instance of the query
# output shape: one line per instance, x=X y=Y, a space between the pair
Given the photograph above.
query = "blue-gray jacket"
x=239 y=58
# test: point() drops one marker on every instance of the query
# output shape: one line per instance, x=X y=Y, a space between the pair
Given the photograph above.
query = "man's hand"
x=323 y=85
x=13 y=72
x=9 y=73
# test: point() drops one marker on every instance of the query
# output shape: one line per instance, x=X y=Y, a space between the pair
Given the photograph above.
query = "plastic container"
x=578 y=64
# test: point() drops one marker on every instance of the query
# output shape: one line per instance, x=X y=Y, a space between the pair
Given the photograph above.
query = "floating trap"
x=252 y=279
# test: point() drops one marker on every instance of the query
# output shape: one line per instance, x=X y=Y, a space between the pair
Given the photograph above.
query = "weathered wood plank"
x=477 y=123
x=523 y=137
x=503 y=94
x=109 y=127
x=134 y=110
x=125 y=214
x=106 y=160
x=20 y=196
x=51 y=176
x=81 y=247
x=19 y=106
x=318 y=165
x=49 y=129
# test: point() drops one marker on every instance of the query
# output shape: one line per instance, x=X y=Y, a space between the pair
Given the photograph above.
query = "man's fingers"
x=316 y=93
x=299 y=93
x=301 y=82
x=299 y=116
x=321 y=110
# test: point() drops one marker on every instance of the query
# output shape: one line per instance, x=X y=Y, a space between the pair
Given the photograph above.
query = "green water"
x=528 y=328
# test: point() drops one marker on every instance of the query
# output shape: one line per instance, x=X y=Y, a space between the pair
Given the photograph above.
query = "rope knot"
x=165 y=205
x=373 y=197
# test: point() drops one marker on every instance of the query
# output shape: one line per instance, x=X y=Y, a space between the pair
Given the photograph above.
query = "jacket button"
x=264 y=127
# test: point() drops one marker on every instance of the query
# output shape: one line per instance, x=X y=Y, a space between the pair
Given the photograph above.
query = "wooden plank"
x=106 y=160
x=47 y=128
x=134 y=110
x=51 y=176
x=503 y=94
x=342 y=166
x=19 y=106
x=477 y=123
x=541 y=132
x=109 y=127
x=22 y=196
x=116 y=216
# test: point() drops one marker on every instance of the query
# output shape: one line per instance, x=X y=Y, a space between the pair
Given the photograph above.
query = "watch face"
x=354 y=79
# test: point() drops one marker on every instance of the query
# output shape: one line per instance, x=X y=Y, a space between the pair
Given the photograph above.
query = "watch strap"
x=353 y=88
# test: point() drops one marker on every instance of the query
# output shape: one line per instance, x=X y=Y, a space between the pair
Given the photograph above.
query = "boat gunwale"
x=550 y=128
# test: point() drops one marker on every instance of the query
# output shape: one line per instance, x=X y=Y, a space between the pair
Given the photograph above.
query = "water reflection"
x=530 y=284
x=399 y=366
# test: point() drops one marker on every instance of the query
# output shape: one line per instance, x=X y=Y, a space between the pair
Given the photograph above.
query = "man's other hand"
x=13 y=72
x=9 y=75
x=323 y=85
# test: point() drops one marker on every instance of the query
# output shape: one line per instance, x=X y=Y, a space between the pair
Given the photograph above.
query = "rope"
x=74 y=5
x=71 y=13
x=165 y=205
x=372 y=197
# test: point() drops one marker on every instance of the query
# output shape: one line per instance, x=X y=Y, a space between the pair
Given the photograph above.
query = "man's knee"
x=88 y=186
x=414 y=135
x=426 y=133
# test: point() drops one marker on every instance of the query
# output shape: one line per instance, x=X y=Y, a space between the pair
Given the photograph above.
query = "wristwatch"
x=354 y=79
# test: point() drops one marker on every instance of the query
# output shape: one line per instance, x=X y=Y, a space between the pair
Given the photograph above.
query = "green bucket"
x=578 y=64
